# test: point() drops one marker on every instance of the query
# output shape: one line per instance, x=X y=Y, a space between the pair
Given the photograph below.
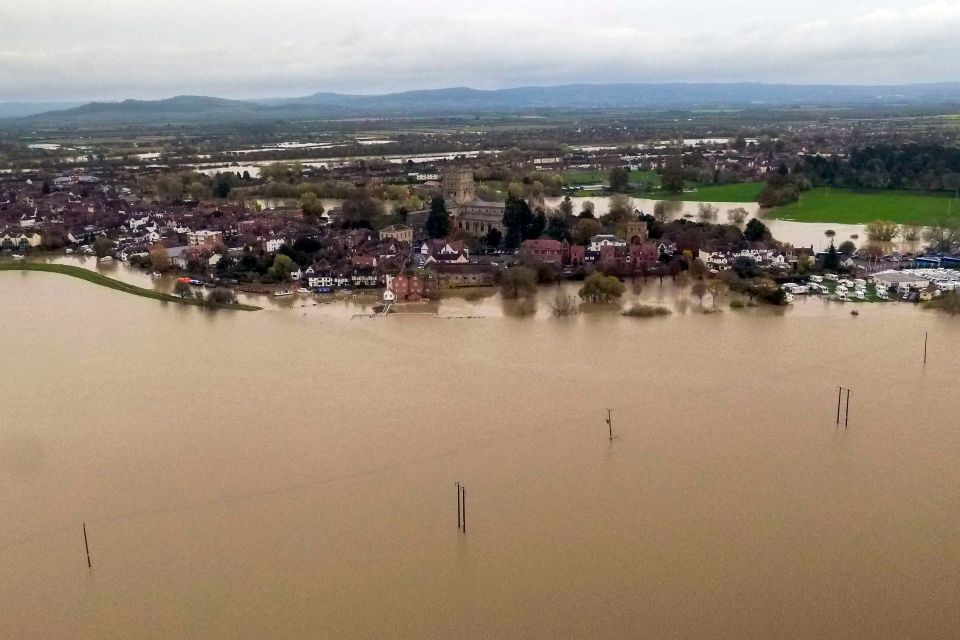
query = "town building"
x=204 y=238
x=544 y=250
x=399 y=232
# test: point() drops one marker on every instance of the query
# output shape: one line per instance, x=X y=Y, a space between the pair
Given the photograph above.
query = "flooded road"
x=291 y=473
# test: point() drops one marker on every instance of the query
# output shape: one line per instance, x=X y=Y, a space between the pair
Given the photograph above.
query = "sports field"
x=738 y=192
x=848 y=206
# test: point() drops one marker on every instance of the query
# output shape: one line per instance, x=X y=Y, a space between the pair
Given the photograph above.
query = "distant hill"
x=23 y=109
x=591 y=96
x=461 y=100
x=176 y=108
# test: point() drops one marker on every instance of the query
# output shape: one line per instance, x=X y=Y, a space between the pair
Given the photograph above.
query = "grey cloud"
x=103 y=49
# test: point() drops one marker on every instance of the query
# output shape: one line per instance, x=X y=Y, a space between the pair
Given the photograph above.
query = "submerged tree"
x=699 y=290
x=738 y=215
x=883 y=231
x=102 y=247
x=944 y=237
x=601 y=289
x=666 y=209
x=159 y=258
x=707 y=211
x=564 y=306
x=518 y=282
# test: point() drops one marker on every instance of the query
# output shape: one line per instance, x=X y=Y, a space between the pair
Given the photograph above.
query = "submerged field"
x=848 y=206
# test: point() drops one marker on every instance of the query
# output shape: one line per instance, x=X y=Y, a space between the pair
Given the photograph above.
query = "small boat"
x=283 y=293
x=303 y=290
x=106 y=259
x=156 y=274
x=17 y=256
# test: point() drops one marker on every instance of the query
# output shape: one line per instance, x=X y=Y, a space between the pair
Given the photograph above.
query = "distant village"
x=222 y=243
x=233 y=243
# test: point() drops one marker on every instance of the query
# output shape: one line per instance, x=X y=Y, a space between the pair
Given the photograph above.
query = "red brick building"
x=547 y=251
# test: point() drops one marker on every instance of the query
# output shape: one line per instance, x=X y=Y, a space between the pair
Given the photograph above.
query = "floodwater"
x=799 y=234
x=213 y=168
x=291 y=473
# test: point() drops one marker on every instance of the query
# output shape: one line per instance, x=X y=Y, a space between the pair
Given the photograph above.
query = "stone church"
x=469 y=213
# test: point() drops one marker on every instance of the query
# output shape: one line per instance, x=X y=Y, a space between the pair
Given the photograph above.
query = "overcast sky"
x=111 y=49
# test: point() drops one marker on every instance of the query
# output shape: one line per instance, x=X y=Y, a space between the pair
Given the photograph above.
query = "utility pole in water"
x=846 y=416
x=86 y=545
x=610 y=422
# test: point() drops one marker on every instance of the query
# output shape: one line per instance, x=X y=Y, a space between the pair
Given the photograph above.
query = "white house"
x=178 y=257
x=321 y=280
x=272 y=245
x=604 y=240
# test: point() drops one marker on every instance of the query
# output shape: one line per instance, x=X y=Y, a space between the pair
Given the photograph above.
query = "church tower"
x=636 y=232
x=458 y=185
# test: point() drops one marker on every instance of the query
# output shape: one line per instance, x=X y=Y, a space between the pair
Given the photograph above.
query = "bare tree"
x=737 y=216
x=707 y=211
x=716 y=288
x=699 y=290
x=682 y=281
x=666 y=209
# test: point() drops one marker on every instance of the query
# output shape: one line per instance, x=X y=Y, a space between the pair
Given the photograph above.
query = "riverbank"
x=110 y=283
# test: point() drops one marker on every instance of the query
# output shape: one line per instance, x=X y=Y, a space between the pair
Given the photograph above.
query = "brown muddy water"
x=291 y=473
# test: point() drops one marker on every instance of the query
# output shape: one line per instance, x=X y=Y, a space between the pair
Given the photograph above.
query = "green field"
x=110 y=283
x=579 y=178
x=737 y=192
x=847 y=206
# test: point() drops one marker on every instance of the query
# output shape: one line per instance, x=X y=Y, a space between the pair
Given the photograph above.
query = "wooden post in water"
x=926 y=336
x=610 y=422
x=86 y=545
x=458 y=507
x=463 y=492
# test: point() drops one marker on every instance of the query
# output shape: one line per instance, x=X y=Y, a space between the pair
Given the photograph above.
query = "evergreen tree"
x=518 y=219
x=438 y=222
x=756 y=231
x=831 y=261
